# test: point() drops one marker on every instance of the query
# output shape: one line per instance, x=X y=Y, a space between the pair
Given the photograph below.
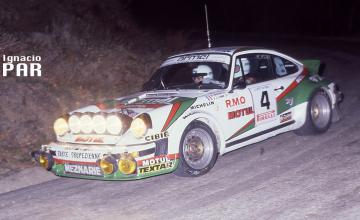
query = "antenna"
x=207 y=27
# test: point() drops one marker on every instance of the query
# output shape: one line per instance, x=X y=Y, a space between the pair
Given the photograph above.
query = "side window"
x=283 y=67
x=254 y=67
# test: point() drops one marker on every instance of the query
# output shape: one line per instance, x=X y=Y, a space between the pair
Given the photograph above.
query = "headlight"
x=61 y=126
x=99 y=123
x=86 y=124
x=74 y=124
x=113 y=124
x=138 y=127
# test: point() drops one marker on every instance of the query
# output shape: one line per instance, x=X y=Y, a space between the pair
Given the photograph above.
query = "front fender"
x=176 y=131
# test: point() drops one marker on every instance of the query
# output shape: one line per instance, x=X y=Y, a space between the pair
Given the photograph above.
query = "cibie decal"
x=285 y=117
x=241 y=112
x=159 y=136
x=265 y=115
x=82 y=169
x=156 y=164
x=235 y=102
x=206 y=104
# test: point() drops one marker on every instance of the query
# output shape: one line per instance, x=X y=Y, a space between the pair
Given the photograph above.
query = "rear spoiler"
x=315 y=67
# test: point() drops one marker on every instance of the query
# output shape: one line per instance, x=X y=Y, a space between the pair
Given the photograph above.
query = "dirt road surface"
x=285 y=177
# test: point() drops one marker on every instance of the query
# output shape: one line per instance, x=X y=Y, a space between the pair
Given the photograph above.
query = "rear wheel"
x=198 y=150
x=318 y=115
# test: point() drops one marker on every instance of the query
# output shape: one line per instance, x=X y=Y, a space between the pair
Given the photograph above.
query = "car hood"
x=142 y=102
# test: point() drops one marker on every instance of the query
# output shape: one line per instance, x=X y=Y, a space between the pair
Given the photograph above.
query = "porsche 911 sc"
x=196 y=106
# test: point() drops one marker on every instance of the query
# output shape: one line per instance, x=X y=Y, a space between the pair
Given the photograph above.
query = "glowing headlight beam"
x=74 y=124
x=113 y=124
x=86 y=124
x=99 y=123
x=138 y=127
x=61 y=126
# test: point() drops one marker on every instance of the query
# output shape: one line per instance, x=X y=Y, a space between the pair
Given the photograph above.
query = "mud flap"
x=336 y=114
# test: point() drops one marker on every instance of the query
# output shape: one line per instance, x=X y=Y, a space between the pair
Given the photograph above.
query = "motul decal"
x=241 y=112
x=89 y=139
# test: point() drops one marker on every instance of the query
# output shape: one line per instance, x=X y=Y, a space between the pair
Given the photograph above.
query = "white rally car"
x=196 y=106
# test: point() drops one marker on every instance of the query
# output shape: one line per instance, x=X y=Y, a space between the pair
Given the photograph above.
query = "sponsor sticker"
x=77 y=156
x=241 y=112
x=156 y=137
x=285 y=117
x=206 y=104
x=289 y=101
x=89 y=139
x=82 y=169
x=265 y=115
x=235 y=101
x=156 y=164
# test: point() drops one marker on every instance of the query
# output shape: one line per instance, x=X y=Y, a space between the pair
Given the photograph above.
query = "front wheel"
x=318 y=115
x=198 y=150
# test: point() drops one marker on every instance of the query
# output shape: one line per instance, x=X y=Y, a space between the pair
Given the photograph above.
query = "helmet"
x=245 y=64
x=202 y=70
x=279 y=67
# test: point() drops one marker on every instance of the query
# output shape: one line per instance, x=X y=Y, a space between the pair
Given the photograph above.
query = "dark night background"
x=304 y=17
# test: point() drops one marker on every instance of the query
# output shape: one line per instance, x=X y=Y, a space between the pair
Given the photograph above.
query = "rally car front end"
x=111 y=143
x=105 y=162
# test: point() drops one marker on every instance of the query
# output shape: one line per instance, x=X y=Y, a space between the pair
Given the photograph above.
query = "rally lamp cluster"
x=112 y=124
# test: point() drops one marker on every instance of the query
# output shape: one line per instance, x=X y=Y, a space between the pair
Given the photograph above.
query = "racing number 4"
x=265 y=100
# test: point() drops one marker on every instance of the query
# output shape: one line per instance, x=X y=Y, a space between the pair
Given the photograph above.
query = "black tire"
x=318 y=115
x=197 y=158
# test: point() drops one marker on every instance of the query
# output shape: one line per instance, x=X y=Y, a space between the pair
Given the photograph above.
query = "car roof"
x=225 y=50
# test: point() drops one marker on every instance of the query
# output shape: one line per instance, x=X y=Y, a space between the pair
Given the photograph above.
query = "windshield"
x=190 y=75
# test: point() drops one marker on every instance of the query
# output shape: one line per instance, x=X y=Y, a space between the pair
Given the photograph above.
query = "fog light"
x=106 y=166
x=127 y=164
x=43 y=161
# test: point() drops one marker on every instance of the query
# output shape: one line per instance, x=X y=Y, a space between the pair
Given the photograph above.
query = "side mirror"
x=240 y=85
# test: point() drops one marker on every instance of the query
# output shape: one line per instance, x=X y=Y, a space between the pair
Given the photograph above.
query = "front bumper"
x=83 y=161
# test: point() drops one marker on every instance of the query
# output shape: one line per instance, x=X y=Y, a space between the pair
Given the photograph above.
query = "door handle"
x=281 y=87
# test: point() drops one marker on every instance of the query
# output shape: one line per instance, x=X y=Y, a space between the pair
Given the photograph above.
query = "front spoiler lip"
x=58 y=167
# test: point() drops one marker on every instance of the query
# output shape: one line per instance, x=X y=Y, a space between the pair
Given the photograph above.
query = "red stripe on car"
x=293 y=85
x=59 y=161
x=173 y=111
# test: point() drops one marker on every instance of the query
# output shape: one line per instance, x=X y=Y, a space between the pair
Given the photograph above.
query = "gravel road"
x=285 y=177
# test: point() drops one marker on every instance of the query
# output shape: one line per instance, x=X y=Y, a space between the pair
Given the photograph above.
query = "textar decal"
x=235 y=102
x=82 y=169
x=159 y=136
x=206 y=104
x=241 y=112
x=155 y=164
x=265 y=115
